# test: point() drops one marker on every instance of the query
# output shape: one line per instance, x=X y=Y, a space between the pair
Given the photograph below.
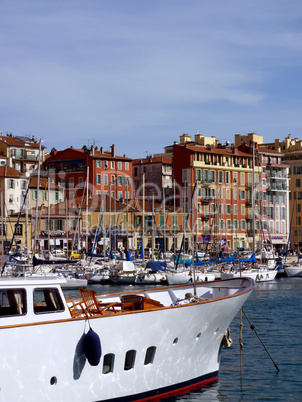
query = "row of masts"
x=143 y=213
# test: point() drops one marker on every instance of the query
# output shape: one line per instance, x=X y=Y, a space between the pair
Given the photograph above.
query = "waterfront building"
x=271 y=194
x=48 y=193
x=60 y=226
x=291 y=149
x=158 y=177
x=74 y=224
x=222 y=177
x=133 y=225
x=294 y=161
x=21 y=228
x=106 y=171
x=12 y=186
x=21 y=153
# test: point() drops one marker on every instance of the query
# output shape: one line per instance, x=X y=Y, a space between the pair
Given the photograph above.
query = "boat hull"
x=150 y=278
x=46 y=361
x=183 y=278
x=256 y=275
x=293 y=271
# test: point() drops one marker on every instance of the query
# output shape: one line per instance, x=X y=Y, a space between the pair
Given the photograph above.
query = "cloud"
x=115 y=70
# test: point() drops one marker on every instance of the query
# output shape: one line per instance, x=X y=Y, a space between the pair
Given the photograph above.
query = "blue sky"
x=139 y=73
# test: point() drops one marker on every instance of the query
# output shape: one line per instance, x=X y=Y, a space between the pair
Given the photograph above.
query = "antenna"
x=91 y=141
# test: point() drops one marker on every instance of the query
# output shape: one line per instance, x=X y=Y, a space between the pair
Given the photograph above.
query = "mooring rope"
x=254 y=329
x=240 y=342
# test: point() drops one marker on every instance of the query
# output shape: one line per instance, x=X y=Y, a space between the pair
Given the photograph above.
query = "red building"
x=106 y=172
x=222 y=176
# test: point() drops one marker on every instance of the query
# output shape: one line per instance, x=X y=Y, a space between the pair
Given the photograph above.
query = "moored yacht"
x=113 y=347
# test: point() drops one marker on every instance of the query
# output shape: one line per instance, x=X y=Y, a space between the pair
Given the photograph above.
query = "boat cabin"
x=27 y=300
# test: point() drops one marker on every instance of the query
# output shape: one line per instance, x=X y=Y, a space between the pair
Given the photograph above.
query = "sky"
x=140 y=73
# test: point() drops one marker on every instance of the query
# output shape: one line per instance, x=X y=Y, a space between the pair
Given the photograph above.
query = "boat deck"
x=90 y=304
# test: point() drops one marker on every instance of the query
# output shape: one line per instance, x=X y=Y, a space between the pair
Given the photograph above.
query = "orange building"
x=221 y=206
x=107 y=173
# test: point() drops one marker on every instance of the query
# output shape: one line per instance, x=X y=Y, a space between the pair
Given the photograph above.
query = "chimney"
x=112 y=150
x=102 y=150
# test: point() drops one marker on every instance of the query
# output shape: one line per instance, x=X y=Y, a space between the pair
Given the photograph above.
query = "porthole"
x=53 y=380
x=108 y=363
x=130 y=359
x=150 y=353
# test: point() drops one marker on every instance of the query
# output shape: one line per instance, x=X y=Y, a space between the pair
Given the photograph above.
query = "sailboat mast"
x=127 y=224
x=298 y=229
x=174 y=223
x=253 y=196
x=164 y=228
x=37 y=199
x=153 y=238
x=143 y=218
x=2 y=228
x=87 y=186
x=48 y=214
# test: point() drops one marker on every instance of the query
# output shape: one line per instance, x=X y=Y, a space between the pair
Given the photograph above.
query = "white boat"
x=147 y=276
x=187 y=276
x=293 y=270
x=71 y=280
x=257 y=274
x=123 y=273
x=101 y=275
x=132 y=346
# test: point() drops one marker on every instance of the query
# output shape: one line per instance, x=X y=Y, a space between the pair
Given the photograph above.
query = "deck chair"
x=76 y=312
x=94 y=307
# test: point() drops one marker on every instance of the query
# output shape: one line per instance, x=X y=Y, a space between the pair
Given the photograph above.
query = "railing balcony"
x=206 y=200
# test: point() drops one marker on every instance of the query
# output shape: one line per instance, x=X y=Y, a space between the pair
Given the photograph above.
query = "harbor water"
x=274 y=309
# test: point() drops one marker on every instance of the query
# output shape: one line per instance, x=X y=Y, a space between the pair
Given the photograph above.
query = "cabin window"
x=12 y=302
x=150 y=353
x=108 y=363
x=47 y=300
x=130 y=359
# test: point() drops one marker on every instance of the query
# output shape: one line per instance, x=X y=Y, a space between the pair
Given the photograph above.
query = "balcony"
x=279 y=187
x=207 y=200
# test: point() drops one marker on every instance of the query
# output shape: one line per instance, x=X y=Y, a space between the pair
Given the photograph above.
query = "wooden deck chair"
x=76 y=312
x=94 y=307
